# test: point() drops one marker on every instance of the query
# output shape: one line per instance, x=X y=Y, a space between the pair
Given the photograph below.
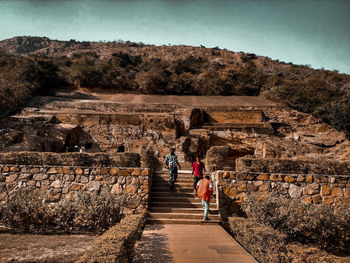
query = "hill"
x=35 y=66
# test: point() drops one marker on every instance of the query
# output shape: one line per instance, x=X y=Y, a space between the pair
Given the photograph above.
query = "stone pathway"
x=189 y=244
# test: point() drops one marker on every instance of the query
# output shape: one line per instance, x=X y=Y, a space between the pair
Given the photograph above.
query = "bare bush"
x=25 y=211
x=325 y=226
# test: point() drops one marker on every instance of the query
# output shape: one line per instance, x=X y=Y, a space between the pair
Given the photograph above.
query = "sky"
x=307 y=32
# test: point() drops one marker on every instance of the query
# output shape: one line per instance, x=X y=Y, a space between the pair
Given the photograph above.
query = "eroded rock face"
x=56 y=124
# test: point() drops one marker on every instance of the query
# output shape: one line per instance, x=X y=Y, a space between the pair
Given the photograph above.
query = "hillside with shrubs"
x=34 y=66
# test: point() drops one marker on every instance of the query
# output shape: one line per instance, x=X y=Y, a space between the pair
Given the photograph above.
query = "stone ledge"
x=71 y=159
x=289 y=166
x=117 y=243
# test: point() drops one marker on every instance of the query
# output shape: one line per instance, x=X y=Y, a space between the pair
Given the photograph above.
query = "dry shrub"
x=26 y=211
x=321 y=225
x=263 y=242
x=271 y=246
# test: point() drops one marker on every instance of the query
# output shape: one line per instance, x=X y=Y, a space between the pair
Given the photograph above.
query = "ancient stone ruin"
x=250 y=146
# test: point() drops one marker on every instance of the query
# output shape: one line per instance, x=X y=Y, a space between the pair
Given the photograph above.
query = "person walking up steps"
x=171 y=163
x=204 y=191
x=197 y=171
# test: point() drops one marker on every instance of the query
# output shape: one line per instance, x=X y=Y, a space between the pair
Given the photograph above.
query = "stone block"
x=100 y=178
x=257 y=183
x=52 y=197
x=301 y=178
x=117 y=189
x=67 y=170
x=79 y=171
x=11 y=178
x=76 y=187
x=242 y=187
x=123 y=173
x=263 y=177
x=135 y=181
x=251 y=187
x=145 y=172
x=347 y=193
x=130 y=189
x=104 y=170
x=14 y=169
x=84 y=179
x=289 y=179
x=295 y=191
x=316 y=199
x=65 y=189
x=328 y=200
x=114 y=171
x=39 y=177
x=57 y=184
x=31 y=183
x=53 y=177
x=307 y=200
x=52 y=171
x=241 y=176
x=136 y=172
x=309 y=178
x=6 y=169
x=59 y=170
x=121 y=180
x=276 y=177
x=264 y=187
x=34 y=170
x=311 y=189
x=93 y=186
x=86 y=171
x=25 y=177
x=325 y=190
x=230 y=191
x=337 y=191
x=226 y=175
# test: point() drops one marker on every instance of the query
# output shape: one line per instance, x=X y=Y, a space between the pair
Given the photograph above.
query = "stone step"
x=198 y=216
x=178 y=199
x=174 y=190
x=260 y=128
x=177 y=184
x=179 y=178
x=180 y=204
x=157 y=221
x=179 y=172
x=212 y=211
x=171 y=194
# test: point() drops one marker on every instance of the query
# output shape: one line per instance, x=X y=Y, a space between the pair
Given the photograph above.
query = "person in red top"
x=197 y=171
x=204 y=191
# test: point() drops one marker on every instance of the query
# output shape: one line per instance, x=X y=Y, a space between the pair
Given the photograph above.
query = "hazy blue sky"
x=315 y=32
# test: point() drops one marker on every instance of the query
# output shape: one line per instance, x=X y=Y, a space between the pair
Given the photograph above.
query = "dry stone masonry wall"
x=57 y=183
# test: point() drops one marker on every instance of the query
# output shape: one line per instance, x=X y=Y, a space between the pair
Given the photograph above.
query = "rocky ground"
x=42 y=248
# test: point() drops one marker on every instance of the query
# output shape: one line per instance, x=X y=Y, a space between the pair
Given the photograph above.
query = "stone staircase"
x=179 y=205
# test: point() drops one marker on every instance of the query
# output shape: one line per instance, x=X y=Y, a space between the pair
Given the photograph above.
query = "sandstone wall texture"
x=234 y=186
x=58 y=182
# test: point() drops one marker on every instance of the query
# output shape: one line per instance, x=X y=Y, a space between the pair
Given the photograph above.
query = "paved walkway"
x=189 y=244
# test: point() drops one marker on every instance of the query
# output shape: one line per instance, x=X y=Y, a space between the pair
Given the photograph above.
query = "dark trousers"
x=173 y=176
x=195 y=181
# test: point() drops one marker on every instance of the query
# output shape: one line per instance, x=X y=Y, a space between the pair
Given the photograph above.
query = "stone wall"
x=58 y=182
x=235 y=186
x=273 y=165
x=126 y=159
